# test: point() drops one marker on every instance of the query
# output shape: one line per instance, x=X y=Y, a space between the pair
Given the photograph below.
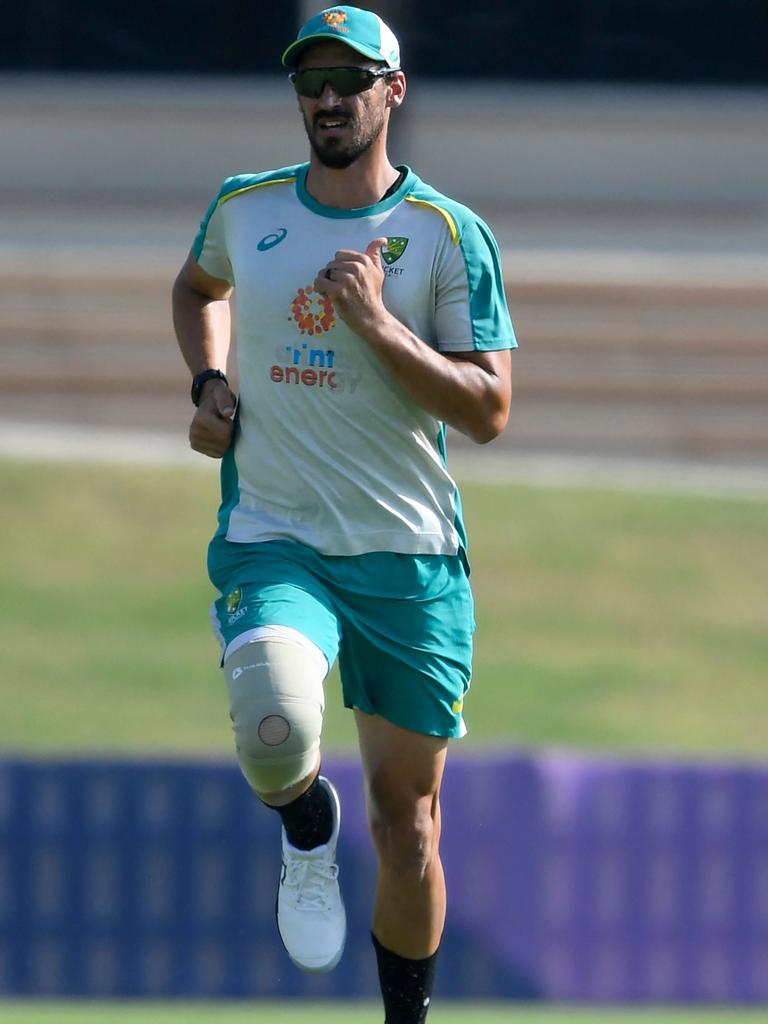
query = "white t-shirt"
x=330 y=450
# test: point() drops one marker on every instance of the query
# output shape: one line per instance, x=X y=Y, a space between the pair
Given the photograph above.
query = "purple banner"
x=570 y=879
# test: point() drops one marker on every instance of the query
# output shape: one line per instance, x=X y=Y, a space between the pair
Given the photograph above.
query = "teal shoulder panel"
x=235 y=185
x=491 y=323
x=458 y=216
x=489 y=311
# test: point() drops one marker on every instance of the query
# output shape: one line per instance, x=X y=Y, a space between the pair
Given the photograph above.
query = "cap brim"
x=293 y=52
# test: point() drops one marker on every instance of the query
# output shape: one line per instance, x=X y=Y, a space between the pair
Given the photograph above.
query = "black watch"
x=199 y=379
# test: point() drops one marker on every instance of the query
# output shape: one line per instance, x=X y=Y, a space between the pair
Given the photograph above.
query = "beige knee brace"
x=276 y=705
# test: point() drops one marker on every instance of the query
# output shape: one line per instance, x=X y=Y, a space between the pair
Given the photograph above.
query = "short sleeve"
x=210 y=245
x=471 y=311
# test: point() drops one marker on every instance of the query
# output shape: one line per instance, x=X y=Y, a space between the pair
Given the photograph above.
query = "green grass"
x=613 y=621
x=364 y=1013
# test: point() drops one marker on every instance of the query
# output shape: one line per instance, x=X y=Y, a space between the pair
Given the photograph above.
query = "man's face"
x=342 y=128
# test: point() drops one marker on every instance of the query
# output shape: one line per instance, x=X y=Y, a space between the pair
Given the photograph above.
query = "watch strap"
x=201 y=378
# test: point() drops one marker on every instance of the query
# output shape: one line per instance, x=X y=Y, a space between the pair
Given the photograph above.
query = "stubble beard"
x=338 y=155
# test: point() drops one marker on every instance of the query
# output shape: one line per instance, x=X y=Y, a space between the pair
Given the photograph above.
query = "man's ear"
x=396 y=89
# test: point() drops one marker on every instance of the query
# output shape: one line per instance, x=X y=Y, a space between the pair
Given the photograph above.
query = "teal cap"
x=364 y=31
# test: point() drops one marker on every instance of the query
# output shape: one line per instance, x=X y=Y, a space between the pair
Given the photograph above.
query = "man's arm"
x=202 y=324
x=471 y=391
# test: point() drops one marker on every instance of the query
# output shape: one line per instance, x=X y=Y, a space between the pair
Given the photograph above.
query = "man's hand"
x=354 y=281
x=214 y=422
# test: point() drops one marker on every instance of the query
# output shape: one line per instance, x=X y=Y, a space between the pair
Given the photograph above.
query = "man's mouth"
x=328 y=124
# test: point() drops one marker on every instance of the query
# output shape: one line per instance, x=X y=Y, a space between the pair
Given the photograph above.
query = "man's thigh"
x=406 y=651
x=296 y=603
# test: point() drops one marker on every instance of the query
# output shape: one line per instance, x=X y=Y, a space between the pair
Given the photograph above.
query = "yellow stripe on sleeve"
x=444 y=213
x=250 y=188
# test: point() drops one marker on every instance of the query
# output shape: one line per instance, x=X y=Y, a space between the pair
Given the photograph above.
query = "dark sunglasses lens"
x=343 y=81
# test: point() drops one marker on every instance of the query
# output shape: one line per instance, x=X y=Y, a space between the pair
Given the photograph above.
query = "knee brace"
x=276 y=704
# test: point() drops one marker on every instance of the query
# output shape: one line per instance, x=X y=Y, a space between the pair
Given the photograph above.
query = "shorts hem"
x=456 y=732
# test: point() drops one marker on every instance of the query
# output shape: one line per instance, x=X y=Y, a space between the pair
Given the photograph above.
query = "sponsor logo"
x=458 y=707
x=270 y=241
x=313 y=312
x=394 y=249
x=236 y=673
x=335 y=19
x=315 y=368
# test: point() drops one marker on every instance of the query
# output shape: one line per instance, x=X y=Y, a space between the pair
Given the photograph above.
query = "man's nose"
x=329 y=96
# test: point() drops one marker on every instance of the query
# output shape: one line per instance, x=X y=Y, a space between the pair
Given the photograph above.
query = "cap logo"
x=335 y=19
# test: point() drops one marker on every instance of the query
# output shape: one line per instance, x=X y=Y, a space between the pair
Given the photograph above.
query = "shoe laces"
x=309 y=880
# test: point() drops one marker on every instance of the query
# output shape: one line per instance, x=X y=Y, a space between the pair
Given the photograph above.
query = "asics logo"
x=271 y=240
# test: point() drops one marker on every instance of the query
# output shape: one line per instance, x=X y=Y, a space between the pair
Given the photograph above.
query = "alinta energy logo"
x=309 y=364
x=313 y=312
x=318 y=368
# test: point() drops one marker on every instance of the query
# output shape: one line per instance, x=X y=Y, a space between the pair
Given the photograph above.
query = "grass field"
x=285 y=1013
x=615 y=621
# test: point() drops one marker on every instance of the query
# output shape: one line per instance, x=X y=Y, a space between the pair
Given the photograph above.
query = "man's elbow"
x=489 y=428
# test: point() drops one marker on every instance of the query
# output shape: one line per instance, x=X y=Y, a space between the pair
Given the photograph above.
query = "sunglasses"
x=344 y=81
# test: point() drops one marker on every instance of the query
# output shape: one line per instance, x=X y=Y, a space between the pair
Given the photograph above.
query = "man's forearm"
x=471 y=398
x=470 y=391
x=202 y=326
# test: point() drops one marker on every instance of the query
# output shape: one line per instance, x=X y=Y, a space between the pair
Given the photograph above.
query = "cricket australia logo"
x=235 y=608
x=335 y=19
x=394 y=249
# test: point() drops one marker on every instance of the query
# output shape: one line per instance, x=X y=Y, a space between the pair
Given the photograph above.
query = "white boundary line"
x=50 y=442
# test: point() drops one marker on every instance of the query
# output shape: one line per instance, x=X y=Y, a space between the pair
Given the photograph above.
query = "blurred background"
x=619 y=150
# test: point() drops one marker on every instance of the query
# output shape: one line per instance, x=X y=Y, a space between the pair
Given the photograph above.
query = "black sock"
x=308 y=820
x=406 y=985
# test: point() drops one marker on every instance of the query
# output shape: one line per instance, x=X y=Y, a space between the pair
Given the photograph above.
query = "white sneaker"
x=310 y=912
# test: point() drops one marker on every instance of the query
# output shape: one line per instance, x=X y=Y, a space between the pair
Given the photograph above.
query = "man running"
x=371 y=313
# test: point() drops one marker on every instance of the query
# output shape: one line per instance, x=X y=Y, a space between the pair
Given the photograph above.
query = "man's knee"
x=405 y=833
x=276 y=706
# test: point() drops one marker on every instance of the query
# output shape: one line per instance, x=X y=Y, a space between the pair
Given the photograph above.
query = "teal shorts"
x=400 y=625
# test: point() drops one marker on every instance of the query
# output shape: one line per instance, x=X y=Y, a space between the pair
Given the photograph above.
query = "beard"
x=338 y=153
